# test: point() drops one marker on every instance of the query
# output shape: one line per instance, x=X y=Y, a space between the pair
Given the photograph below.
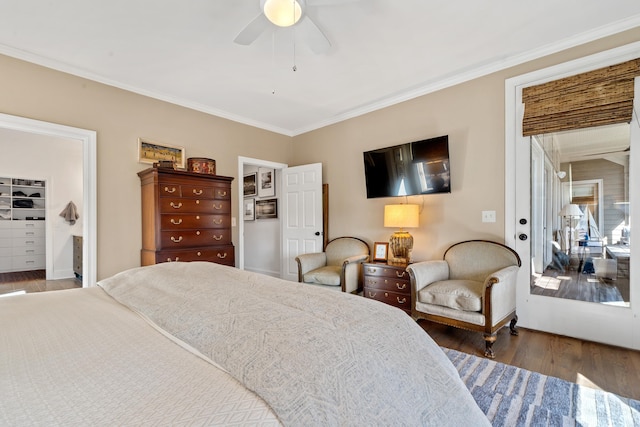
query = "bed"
x=204 y=344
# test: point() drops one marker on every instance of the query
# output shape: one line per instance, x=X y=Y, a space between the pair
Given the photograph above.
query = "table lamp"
x=401 y=242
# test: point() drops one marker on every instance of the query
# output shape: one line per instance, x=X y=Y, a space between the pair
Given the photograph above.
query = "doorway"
x=607 y=323
x=87 y=139
x=298 y=209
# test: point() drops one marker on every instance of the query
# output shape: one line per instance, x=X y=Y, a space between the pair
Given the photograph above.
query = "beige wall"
x=473 y=115
x=120 y=117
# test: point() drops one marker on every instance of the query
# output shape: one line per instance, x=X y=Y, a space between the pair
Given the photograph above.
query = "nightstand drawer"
x=395 y=299
x=385 y=270
x=388 y=284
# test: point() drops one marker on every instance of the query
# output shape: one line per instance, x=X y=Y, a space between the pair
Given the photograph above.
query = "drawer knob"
x=401 y=286
x=178 y=240
x=372 y=294
x=222 y=193
x=197 y=192
x=176 y=206
x=217 y=221
x=176 y=222
x=400 y=274
x=222 y=256
x=217 y=237
x=170 y=190
x=197 y=202
x=371 y=270
x=170 y=260
x=199 y=254
x=401 y=300
x=198 y=233
x=197 y=216
x=217 y=207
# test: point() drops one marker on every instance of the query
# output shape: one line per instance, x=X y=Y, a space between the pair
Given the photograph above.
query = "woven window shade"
x=596 y=98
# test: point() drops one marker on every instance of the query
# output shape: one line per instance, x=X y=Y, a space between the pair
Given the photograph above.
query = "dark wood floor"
x=596 y=365
x=33 y=281
x=577 y=285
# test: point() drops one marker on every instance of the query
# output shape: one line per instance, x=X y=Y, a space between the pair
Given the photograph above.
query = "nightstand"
x=388 y=283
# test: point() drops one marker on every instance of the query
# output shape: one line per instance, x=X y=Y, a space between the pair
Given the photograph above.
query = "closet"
x=22 y=224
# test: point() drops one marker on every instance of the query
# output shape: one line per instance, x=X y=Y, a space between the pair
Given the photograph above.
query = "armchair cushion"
x=339 y=265
x=328 y=275
x=465 y=295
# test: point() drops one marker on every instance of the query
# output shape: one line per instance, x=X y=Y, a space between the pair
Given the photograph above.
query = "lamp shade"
x=571 y=210
x=401 y=216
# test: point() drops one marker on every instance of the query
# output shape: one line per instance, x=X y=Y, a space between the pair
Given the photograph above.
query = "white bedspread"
x=79 y=358
x=317 y=357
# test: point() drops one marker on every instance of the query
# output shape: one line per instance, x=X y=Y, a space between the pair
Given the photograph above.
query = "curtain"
x=595 y=98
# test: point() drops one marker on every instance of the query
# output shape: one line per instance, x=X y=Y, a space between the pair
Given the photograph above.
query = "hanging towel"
x=70 y=213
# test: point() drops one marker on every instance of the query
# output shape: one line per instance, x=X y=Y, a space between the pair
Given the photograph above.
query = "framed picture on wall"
x=153 y=152
x=266 y=182
x=250 y=186
x=266 y=208
x=380 y=251
x=249 y=210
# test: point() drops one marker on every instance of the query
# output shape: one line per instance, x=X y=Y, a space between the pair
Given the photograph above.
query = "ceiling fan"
x=287 y=13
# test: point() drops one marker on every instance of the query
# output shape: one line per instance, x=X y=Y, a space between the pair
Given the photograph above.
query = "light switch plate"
x=488 y=216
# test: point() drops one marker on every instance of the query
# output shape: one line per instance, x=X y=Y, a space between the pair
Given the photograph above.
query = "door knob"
x=522 y=237
x=317 y=233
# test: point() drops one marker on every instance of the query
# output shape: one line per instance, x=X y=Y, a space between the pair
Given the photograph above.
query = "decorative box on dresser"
x=185 y=217
x=388 y=283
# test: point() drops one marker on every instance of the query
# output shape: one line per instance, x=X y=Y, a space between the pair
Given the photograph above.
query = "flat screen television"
x=420 y=167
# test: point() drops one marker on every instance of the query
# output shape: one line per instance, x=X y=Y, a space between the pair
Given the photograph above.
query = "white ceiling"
x=383 y=51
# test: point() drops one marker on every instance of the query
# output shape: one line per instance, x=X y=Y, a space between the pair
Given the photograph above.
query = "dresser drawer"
x=382 y=270
x=179 y=205
x=28 y=250
x=388 y=284
x=27 y=224
x=220 y=255
x=27 y=233
x=197 y=191
x=395 y=299
x=190 y=238
x=191 y=221
x=26 y=262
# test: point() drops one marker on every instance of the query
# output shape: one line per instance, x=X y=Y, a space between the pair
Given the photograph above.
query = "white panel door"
x=302 y=219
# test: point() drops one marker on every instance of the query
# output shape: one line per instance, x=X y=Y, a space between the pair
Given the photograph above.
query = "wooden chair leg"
x=512 y=325
x=489 y=339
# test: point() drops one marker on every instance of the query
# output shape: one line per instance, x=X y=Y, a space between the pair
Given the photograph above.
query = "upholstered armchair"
x=339 y=266
x=473 y=287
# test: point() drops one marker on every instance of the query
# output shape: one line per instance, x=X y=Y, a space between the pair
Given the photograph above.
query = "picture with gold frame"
x=380 y=251
x=153 y=152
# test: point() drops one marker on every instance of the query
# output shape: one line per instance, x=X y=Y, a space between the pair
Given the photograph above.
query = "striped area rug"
x=511 y=396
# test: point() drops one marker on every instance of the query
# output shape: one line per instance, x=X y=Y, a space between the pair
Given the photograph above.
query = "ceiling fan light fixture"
x=283 y=13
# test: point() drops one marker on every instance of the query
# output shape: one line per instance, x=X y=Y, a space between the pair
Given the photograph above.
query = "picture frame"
x=250 y=184
x=380 y=251
x=266 y=182
x=249 y=210
x=266 y=209
x=153 y=152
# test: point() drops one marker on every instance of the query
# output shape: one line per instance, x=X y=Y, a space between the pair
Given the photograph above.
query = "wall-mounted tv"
x=420 y=167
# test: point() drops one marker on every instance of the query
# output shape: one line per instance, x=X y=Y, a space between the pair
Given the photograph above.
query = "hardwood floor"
x=596 y=365
x=33 y=281
x=577 y=285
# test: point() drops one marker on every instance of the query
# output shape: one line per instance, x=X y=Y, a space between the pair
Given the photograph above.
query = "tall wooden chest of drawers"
x=388 y=283
x=185 y=217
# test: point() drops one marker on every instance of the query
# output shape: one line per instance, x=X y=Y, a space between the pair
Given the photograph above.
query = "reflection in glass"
x=580 y=229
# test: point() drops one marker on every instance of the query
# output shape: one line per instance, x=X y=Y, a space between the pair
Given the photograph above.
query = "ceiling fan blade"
x=313 y=35
x=252 y=31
